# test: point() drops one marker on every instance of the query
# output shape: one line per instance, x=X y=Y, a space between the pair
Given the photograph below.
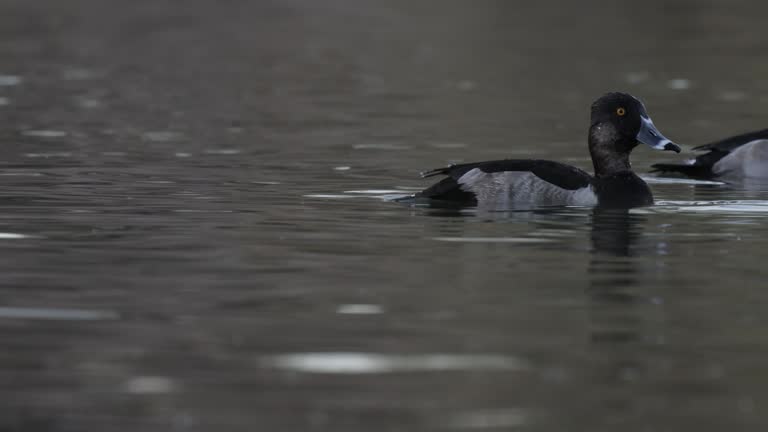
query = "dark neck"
x=610 y=154
x=609 y=163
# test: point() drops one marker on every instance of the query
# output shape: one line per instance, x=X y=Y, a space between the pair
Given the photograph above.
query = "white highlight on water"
x=222 y=151
x=12 y=236
x=162 y=136
x=202 y=211
x=737 y=206
x=732 y=95
x=149 y=385
x=57 y=314
x=21 y=174
x=89 y=103
x=333 y=196
x=373 y=191
x=44 y=133
x=673 y=180
x=359 y=309
x=488 y=419
x=447 y=145
x=679 y=84
x=48 y=154
x=380 y=146
x=380 y=194
x=519 y=240
x=466 y=85
x=9 y=80
x=637 y=77
x=353 y=363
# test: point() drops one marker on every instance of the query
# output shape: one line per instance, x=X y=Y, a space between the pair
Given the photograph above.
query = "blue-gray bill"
x=651 y=136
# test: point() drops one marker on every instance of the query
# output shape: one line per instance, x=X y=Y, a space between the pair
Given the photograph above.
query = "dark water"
x=196 y=236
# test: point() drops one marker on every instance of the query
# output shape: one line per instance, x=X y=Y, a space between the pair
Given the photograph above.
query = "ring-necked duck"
x=740 y=156
x=619 y=122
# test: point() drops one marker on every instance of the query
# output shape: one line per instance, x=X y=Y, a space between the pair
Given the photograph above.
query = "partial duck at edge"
x=737 y=157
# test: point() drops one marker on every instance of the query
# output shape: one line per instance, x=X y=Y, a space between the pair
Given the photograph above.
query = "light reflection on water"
x=55 y=314
x=370 y=363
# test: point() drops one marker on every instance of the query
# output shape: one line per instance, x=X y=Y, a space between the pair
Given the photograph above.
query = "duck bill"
x=651 y=136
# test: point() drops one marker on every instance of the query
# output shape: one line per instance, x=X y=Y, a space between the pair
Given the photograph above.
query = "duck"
x=619 y=122
x=738 y=157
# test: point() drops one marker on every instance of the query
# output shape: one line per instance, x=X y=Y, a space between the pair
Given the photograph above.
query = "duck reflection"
x=614 y=276
x=618 y=321
x=614 y=231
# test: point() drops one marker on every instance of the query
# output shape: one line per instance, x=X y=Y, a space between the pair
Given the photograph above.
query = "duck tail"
x=698 y=171
x=436 y=171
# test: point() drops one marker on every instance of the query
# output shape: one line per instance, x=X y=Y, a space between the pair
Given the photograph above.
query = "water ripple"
x=519 y=240
x=488 y=419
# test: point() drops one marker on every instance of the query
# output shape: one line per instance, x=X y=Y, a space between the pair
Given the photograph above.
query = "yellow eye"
x=621 y=111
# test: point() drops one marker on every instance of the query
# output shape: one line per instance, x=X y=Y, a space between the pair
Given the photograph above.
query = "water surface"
x=197 y=232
